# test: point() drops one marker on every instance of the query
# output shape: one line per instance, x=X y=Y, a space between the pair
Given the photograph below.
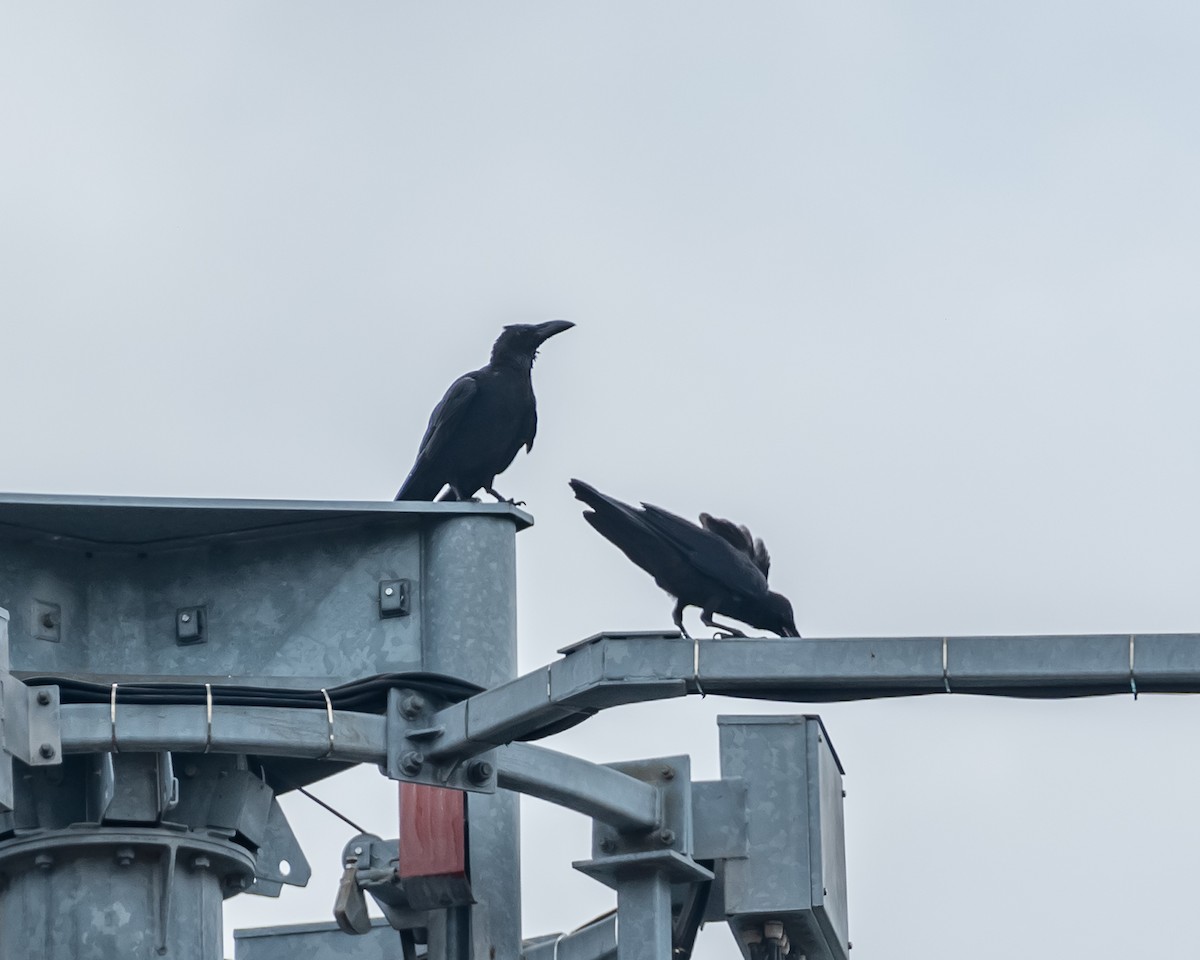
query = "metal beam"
x=611 y=669
x=279 y=732
x=589 y=788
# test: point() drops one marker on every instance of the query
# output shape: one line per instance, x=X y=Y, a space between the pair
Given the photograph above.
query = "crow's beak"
x=548 y=329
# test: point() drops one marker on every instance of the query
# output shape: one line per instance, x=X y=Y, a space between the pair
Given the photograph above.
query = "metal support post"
x=470 y=632
x=644 y=917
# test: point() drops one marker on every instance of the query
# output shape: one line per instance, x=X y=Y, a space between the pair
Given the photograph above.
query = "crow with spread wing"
x=717 y=566
x=483 y=420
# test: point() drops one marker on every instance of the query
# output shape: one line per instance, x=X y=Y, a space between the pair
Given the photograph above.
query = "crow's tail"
x=421 y=484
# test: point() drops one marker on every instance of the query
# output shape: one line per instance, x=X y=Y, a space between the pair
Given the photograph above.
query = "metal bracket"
x=394 y=598
x=671 y=778
x=30 y=722
x=191 y=625
x=410 y=732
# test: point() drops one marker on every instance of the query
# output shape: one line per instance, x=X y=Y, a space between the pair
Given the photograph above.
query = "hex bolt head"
x=411 y=763
x=389 y=591
x=43 y=861
x=667 y=837
x=412 y=705
x=479 y=772
x=201 y=863
x=607 y=846
x=44 y=697
x=185 y=617
x=668 y=773
x=47 y=751
x=123 y=856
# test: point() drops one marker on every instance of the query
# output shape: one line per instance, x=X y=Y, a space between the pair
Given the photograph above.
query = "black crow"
x=717 y=566
x=483 y=420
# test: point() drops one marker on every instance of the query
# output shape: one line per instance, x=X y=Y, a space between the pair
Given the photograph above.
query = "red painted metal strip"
x=433 y=831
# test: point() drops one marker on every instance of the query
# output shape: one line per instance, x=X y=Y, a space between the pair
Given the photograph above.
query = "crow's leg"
x=500 y=499
x=677 y=616
x=706 y=618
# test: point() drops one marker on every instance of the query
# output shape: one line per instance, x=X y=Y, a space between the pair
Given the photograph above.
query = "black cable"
x=337 y=813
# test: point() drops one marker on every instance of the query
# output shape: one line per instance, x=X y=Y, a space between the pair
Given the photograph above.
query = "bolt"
x=410 y=763
x=236 y=881
x=388 y=591
x=201 y=863
x=44 y=697
x=46 y=750
x=43 y=861
x=479 y=772
x=668 y=773
x=667 y=837
x=412 y=705
x=48 y=621
x=607 y=846
x=358 y=851
x=189 y=770
x=124 y=856
x=185 y=617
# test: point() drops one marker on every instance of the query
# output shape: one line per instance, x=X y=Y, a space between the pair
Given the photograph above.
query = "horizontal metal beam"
x=611 y=669
x=589 y=788
x=274 y=731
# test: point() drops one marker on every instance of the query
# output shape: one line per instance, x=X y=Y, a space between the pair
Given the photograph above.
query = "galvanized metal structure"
x=168 y=667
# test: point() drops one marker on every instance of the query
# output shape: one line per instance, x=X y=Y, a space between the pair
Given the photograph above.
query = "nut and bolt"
x=667 y=837
x=47 y=751
x=410 y=763
x=412 y=705
x=43 y=861
x=124 y=856
x=185 y=618
x=668 y=773
x=201 y=863
x=607 y=846
x=44 y=697
x=389 y=591
x=480 y=772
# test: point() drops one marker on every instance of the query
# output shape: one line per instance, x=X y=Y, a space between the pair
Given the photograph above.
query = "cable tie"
x=208 y=711
x=946 y=664
x=329 y=717
x=1132 y=679
x=112 y=717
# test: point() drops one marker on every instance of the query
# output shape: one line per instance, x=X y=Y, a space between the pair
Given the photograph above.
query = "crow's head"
x=519 y=342
x=774 y=613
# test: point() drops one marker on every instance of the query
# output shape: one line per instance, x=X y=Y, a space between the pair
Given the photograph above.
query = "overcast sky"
x=908 y=287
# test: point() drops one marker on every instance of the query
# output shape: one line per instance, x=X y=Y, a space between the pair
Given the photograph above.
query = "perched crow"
x=483 y=420
x=717 y=566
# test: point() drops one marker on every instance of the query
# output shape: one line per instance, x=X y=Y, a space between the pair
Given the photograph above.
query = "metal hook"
x=329 y=717
x=554 y=953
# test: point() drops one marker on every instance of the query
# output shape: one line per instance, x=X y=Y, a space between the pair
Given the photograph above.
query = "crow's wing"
x=710 y=554
x=739 y=537
x=440 y=432
x=429 y=472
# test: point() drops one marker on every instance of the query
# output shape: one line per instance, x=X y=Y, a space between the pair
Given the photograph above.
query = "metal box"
x=285 y=593
x=318 y=941
x=794 y=870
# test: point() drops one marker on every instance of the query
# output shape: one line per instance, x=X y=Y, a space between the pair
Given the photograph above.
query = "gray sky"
x=908 y=287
